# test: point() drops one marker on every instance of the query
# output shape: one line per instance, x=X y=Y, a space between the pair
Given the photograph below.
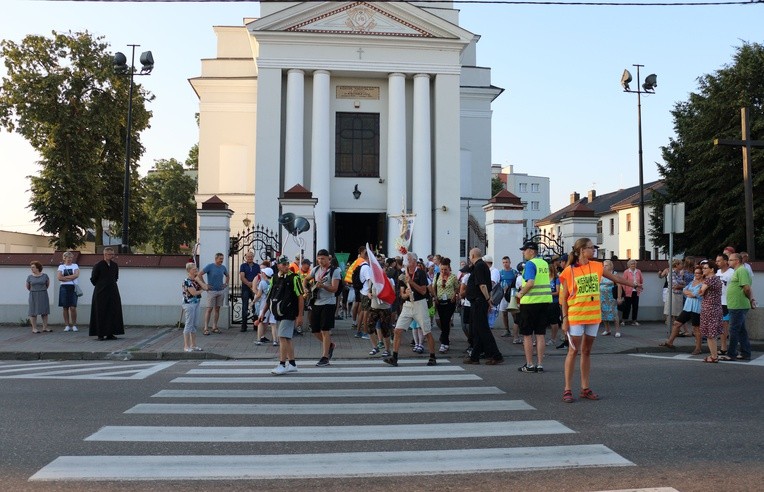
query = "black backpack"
x=356 y=277
x=341 y=285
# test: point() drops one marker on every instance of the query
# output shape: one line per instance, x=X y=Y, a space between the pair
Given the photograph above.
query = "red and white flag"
x=382 y=286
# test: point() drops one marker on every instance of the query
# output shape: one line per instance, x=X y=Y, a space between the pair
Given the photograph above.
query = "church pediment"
x=360 y=18
x=390 y=19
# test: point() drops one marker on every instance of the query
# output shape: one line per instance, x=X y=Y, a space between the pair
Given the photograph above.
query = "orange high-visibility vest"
x=582 y=283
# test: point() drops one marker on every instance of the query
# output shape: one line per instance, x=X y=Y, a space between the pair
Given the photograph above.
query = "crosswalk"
x=92 y=370
x=242 y=390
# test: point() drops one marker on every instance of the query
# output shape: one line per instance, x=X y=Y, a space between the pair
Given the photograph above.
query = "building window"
x=534 y=187
x=599 y=227
x=534 y=205
x=523 y=187
x=628 y=224
x=612 y=227
x=357 y=145
x=628 y=254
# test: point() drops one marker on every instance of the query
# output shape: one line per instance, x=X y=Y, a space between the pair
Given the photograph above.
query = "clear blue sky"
x=563 y=113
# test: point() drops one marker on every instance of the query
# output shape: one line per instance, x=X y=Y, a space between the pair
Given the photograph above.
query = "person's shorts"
x=580 y=330
x=685 y=316
x=555 y=314
x=322 y=318
x=215 y=298
x=365 y=303
x=725 y=314
x=356 y=295
x=385 y=318
x=417 y=311
x=66 y=296
x=534 y=318
x=286 y=328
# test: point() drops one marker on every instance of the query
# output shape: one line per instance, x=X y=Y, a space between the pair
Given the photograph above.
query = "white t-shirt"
x=495 y=277
x=750 y=270
x=725 y=278
x=465 y=278
x=67 y=270
x=365 y=276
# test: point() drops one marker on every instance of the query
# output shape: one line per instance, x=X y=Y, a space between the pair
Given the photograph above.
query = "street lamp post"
x=651 y=82
x=121 y=68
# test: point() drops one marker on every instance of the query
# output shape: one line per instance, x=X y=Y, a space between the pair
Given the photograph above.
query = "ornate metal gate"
x=265 y=244
x=549 y=247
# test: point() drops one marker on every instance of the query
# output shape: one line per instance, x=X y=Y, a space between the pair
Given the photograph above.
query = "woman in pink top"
x=631 y=294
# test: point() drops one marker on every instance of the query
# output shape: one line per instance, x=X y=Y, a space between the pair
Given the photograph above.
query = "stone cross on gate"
x=746 y=144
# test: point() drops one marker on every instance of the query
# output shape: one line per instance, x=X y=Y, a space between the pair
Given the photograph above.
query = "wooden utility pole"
x=746 y=145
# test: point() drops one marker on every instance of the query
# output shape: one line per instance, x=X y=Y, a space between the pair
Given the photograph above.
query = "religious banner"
x=403 y=241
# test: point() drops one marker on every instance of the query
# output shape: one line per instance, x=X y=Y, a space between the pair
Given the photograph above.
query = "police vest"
x=542 y=290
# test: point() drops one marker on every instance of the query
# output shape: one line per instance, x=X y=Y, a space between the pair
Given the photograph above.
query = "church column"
x=421 y=189
x=320 y=152
x=396 y=155
x=293 y=143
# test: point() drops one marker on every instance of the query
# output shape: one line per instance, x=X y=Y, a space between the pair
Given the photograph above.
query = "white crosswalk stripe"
x=334 y=362
x=89 y=370
x=452 y=392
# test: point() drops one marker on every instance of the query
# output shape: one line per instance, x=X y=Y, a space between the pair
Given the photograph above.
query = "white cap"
x=488 y=259
x=268 y=271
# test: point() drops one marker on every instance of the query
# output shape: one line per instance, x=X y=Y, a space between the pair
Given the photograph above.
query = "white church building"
x=375 y=108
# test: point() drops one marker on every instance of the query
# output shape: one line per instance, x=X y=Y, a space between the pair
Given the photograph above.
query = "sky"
x=563 y=113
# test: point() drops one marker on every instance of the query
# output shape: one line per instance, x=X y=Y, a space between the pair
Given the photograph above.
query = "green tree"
x=496 y=186
x=709 y=180
x=170 y=206
x=61 y=94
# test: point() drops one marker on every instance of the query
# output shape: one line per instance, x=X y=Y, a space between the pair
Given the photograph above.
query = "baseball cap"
x=268 y=271
x=530 y=245
x=488 y=259
x=283 y=260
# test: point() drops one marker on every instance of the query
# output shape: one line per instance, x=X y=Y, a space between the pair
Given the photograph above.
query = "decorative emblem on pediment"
x=360 y=18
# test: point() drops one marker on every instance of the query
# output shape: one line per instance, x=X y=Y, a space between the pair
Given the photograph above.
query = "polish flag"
x=382 y=285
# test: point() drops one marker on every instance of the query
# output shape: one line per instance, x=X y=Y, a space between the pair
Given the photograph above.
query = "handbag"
x=78 y=290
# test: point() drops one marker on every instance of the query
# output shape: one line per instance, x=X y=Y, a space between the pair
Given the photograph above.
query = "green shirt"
x=736 y=298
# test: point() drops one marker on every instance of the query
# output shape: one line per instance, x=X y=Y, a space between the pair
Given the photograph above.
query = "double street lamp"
x=651 y=82
x=121 y=68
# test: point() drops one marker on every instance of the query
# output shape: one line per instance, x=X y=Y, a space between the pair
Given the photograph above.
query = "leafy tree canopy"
x=170 y=206
x=62 y=95
x=709 y=180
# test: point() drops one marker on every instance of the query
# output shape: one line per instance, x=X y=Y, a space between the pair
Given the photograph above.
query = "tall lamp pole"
x=121 y=68
x=651 y=82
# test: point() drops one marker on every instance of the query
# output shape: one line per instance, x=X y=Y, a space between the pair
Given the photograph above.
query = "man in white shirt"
x=725 y=275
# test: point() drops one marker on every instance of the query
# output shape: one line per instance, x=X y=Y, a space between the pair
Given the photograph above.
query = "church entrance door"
x=351 y=230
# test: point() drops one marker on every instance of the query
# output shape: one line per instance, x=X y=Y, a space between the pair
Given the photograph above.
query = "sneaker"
x=365 y=336
x=506 y=334
x=527 y=368
x=380 y=345
x=517 y=341
x=279 y=370
x=291 y=368
x=443 y=349
x=539 y=368
x=197 y=349
x=322 y=362
x=188 y=350
x=419 y=349
x=617 y=334
x=432 y=361
x=391 y=360
x=564 y=344
x=358 y=334
x=548 y=342
x=374 y=351
x=636 y=323
x=67 y=328
x=605 y=333
x=258 y=342
x=331 y=350
x=74 y=328
x=386 y=353
x=264 y=340
x=275 y=343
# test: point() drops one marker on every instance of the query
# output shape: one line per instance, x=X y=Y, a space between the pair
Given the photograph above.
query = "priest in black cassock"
x=106 y=312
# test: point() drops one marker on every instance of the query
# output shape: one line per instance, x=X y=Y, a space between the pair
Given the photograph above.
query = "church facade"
x=377 y=109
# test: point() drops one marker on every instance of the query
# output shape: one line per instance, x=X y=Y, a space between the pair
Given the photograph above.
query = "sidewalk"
x=166 y=343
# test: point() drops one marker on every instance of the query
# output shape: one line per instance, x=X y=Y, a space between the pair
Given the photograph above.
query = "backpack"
x=340 y=286
x=497 y=294
x=356 y=278
x=283 y=300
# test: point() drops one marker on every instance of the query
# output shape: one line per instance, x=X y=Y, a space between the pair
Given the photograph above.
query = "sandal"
x=588 y=394
x=206 y=332
x=712 y=360
x=567 y=396
x=216 y=330
x=667 y=345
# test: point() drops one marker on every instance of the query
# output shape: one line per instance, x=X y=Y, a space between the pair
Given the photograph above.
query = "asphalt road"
x=661 y=422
